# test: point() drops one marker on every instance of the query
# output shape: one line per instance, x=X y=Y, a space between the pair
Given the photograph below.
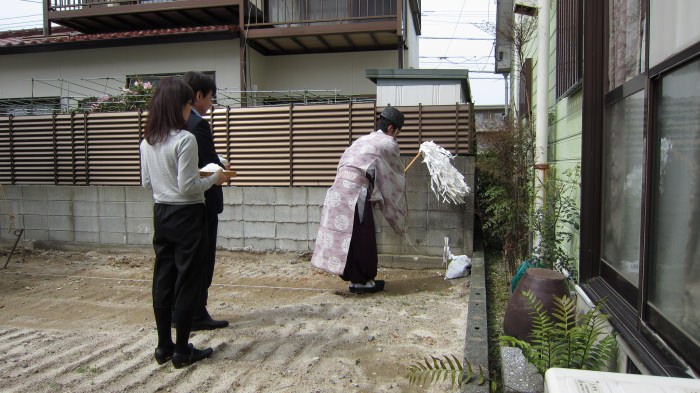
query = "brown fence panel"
x=258 y=144
x=70 y=150
x=6 y=171
x=112 y=141
x=292 y=145
x=447 y=125
x=320 y=134
x=32 y=149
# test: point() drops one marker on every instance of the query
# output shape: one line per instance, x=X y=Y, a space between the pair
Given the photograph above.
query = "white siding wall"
x=411 y=59
x=408 y=93
x=342 y=71
x=17 y=71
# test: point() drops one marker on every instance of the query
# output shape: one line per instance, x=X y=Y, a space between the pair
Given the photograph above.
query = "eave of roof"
x=32 y=40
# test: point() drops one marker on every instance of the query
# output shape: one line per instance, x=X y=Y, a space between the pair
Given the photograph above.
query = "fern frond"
x=431 y=370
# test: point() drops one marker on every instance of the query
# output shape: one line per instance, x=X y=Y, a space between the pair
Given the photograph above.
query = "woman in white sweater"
x=169 y=169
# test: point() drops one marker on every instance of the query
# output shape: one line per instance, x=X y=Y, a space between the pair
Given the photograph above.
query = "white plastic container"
x=564 y=380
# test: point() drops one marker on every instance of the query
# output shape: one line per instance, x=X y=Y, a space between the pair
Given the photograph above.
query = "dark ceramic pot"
x=544 y=284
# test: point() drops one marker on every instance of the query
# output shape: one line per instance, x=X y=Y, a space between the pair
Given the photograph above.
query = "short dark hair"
x=165 y=110
x=200 y=81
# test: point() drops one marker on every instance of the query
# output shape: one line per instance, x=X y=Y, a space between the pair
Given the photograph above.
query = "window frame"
x=655 y=342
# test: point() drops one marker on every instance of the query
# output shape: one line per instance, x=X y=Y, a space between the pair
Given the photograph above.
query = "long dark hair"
x=165 y=110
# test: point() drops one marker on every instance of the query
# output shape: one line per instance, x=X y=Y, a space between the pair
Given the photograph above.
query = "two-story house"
x=96 y=47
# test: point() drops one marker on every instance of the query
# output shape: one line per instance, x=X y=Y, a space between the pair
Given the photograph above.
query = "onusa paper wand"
x=447 y=183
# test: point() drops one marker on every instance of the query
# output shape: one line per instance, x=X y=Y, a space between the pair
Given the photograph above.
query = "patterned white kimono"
x=337 y=217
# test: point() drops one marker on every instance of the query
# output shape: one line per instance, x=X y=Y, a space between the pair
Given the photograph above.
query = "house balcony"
x=272 y=27
x=108 y=16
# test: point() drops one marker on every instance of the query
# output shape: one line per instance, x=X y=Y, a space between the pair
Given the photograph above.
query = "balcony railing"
x=319 y=12
x=70 y=5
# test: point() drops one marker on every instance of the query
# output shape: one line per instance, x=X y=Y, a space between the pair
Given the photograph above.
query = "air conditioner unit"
x=564 y=380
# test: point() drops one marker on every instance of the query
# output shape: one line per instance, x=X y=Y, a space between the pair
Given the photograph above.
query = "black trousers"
x=179 y=242
x=212 y=224
x=361 y=265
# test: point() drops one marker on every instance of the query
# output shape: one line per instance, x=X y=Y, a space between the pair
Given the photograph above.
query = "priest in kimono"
x=369 y=171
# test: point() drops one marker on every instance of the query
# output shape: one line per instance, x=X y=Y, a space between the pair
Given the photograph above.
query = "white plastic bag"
x=459 y=266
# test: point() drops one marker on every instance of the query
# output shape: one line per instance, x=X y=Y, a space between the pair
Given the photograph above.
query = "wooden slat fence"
x=292 y=145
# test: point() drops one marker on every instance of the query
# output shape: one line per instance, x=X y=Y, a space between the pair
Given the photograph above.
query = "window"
x=674 y=288
x=626 y=46
x=641 y=139
x=623 y=163
x=569 y=40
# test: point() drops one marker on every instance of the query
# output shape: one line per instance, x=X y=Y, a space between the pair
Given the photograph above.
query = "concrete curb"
x=476 y=346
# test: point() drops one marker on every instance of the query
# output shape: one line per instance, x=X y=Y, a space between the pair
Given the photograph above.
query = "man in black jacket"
x=204 y=88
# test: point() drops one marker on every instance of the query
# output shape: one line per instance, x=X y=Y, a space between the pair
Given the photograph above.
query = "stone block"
x=385 y=248
x=443 y=206
x=85 y=208
x=12 y=192
x=230 y=243
x=60 y=193
x=418 y=183
x=85 y=193
x=139 y=238
x=112 y=224
x=518 y=374
x=36 y=234
x=139 y=209
x=230 y=228
x=111 y=194
x=60 y=223
x=139 y=225
x=59 y=208
x=113 y=237
x=417 y=219
x=61 y=236
x=86 y=224
x=233 y=196
x=87 y=237
x=257 y=244
x=292 y=231
x=417 y=200
x=445 y=220
x=417 y=235
x=316 y=195
x=292 y=196
x=436 y=238
x=231 y=213
x=259 y=213
x=285 y=213
x=111 y=209
x=312 y=231
x=259 y=230
x=34 y=207
x=137 y=194
x=259 y=195
x=34 y=193
x=313 y=213
x=5 y=222
x=35 y=222
x=292 y=245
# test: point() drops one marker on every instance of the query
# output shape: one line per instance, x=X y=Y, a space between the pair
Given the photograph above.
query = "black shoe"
x=208 y=324
x=181 y=360
x=371 y=286
x=163 y=355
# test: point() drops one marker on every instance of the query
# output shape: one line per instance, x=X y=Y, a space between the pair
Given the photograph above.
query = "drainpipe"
x=541 y=117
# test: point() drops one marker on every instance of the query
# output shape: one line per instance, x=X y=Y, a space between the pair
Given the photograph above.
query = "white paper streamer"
x=445 y=180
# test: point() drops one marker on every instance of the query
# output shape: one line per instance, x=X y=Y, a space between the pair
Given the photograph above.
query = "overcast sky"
x=456 y=34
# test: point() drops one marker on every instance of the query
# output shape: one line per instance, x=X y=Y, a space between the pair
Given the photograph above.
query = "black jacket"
x=207 y=154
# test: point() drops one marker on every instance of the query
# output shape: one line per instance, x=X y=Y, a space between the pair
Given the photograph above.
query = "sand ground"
x=80 y=320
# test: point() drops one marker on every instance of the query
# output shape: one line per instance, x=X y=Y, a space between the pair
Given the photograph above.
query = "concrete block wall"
x=254 y=218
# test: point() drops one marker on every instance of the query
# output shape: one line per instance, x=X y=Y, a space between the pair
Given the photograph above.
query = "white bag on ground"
x=459 y=266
